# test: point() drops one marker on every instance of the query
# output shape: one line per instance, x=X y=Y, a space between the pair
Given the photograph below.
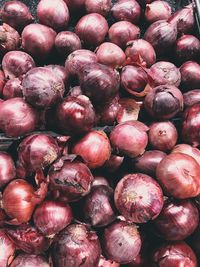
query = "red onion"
x=184 y=20
x=101 y=7
x=100 y=180
x=17 y=63
x=113 y=163
x=26 y=260
x=120 y=33
x=187 y=48
x=128 y=10
x=141 y=52
x=94 y=148
x=92 y=29
x=161 y=35
x=12 y=88
x=51 y=217
x=16 y=14
x=179 y=175
x=158 y=10
x=70 y=179
x=54 y=14
x=2 y=81
x=7 y=249
x=28 y=239
x=75 y=115
x=163 y=135
x=7 y=169
x=192 y=97
x=17 y=117
x=164 y=72
x=38 y=40
x=130 y=138
x=42 y=88
x=164 y=102
x=148 y=162
x=177 y=220
x=110 y=55
x=191 y=125
x=76 y=246
x=173 y=255
x=188 y=150
x=129 y=110
x=121 y=242
x=75 y=5
x=67 y=42
x=9 y=38
x=138 y=198
x=98 y=207
x=106 y=263
x=190 y=75
x=61 y=72
x=99 y=82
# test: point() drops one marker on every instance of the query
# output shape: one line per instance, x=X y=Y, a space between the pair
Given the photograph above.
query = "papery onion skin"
x=191 y=97
x=188 y=150
x=178 y=175
x=130 y=138
x=7 y=169
x=27 y=260
x=54 y=14
x=121 y=32
x=17 y=117
x=94 y=147
x=38 y=40
x=190 y=75
x=121 y=242
x=7 y=249
x=92 y=29
x=9 y=39
x=158 y=10
x=138 y=197
x=61 y=72
x=17 y=63
x=76 y=246
x=12 y=88
x=101 y=7
x=107 y=263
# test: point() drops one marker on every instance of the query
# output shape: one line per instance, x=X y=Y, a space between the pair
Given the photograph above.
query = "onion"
x=2 y=81
x=100 y=180
x=192 y=97
x=38 y=40
x=101 y=7
x=42 y=88
x=75 y=115
x=67 y=42
x=75 y=91
x=174 y=254
x=76 y=246
x=75 y=5
x=187 y=48
x=120 y=33
x=106 y=263
x=26 y=260
x=110 y=55
x=138 y=198
x=70 y=179
x=121 y=242
x=113 y=163
x=148 y=162
x=9 y=38
x=188 y=150
x=98 y=207
x=100 y=83
x=177 y=220
x=7 y=169
x=17 y=117
x=191 y=124
x=16 y=14
x=54 y=14
x=179 y=175
x=12 y=88
x=130 y=138
x=164 y=102
x=94 y=148
x=28 y=239
x=51 y=217
x=141 y=51
x=61 y=72
x=17 y=63
x=190 y=75
x=158 y=10
x=128 y=10
x=92 y=29
x=161 y=35
x=7 y=249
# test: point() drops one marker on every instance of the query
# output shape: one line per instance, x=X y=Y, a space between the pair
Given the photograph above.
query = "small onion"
x=13 y=88
x=187 y=48
x=7 y=249
x=158 y=10
x=106 y=263
x=188 y=150
x=27 y=260
x=7 y=169
x=190 y=78
x=101 y=7
x=9 y=38
x=192 y=97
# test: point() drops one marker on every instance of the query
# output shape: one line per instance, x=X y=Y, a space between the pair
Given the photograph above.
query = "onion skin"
x=76 y=246
x=178 y=175
x=38 y=40
x=191 y=97
x=121 y=242
x=12 y=88
x=158 y=10
x=54 y=14
x=26 y=260
x=121 y=32
x=190 y=75
x=94 y=148
x=188 y=150
x=7 y=249
x=187 y=48
x=138 y=197
x=17 y=118
x=75 y=5
x=9 y=39
x=101 y=7
x=106 y=263
x=100 y=180
x=92 y=29
x=2 y=81
x=61 y=72
x=7 y=170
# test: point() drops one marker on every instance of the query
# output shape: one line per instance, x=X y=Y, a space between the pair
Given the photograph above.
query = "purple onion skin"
x=76 y=246
x=190 y=78
x=17 y=63
x=101 y=7
x=188 y=150
x=16 y=14
x=7 y=170
x=107 y=263
x=38 y=40
x=158 y=10
x=29 y=260
x=187 y=48
x=60 y=72
x=12 y=88
x=191 y=97
x=7 y=248
x=9 y=39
